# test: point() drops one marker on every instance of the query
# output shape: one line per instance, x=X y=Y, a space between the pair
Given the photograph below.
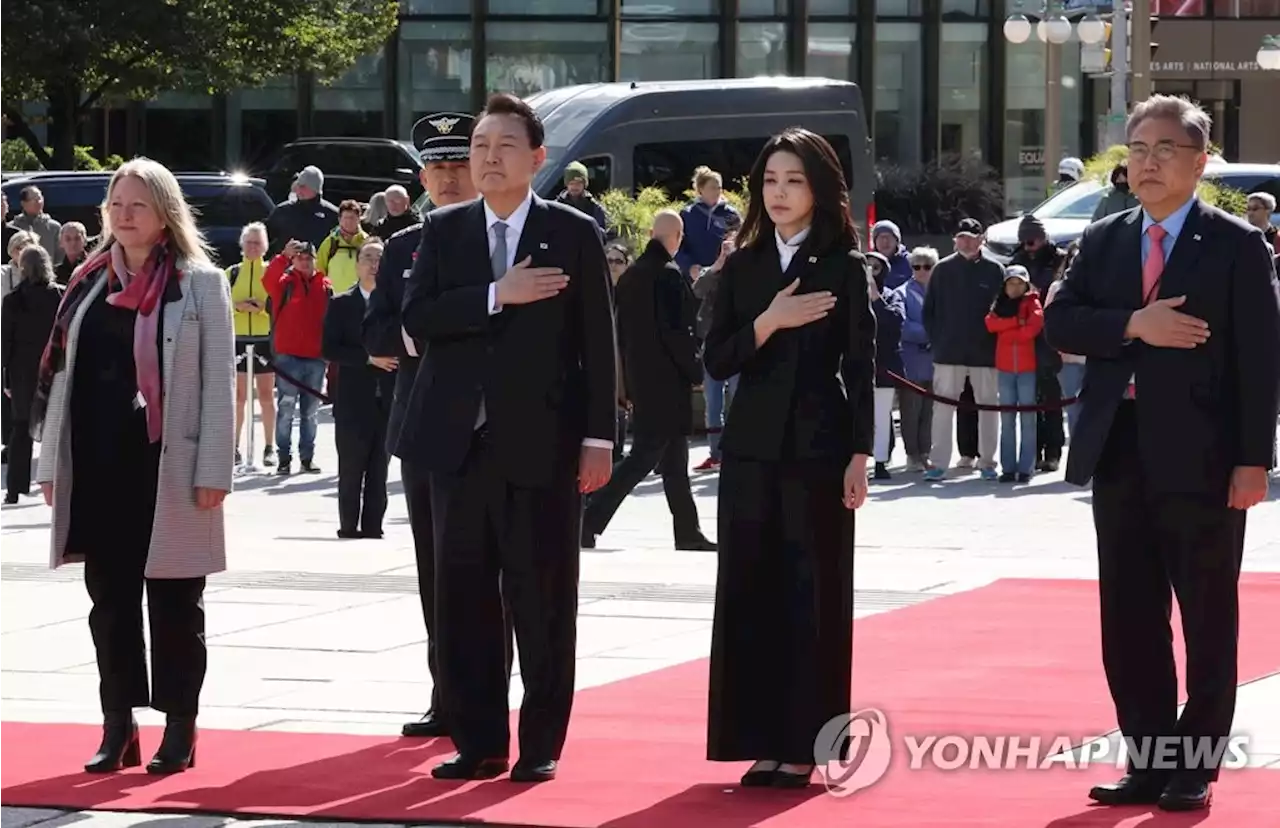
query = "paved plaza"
x=310 y=633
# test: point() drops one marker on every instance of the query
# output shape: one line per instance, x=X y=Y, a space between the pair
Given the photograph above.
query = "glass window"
x=526 y=58
x=1178 y=8
x=832 y=51
x=670 y=165
x=179 y=132
x=353 y=104
x=1075 y=202
x=898 y=8
x=898 y=82
x=670 y=51
x=962 y=79
x=1024 y=143
x=671 y=8
x=966 y=8
x=599 y=173
x=544 y=7
x=833 y=8
x=1244 y=8
x=434 y=69
x=764 y=8
x=436 y=7
x=268 y=118
x=762 y=49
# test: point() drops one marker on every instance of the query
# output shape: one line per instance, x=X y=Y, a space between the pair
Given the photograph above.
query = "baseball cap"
x=969 y=227
x=443 y=136
x=305 y=248
x=1017 y=272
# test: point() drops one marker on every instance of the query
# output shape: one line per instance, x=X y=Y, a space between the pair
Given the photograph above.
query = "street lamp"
x=1054 y=29
x=1269 y=53
x=1017 y=29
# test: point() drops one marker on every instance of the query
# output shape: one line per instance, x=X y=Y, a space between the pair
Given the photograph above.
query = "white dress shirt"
x=515 y=227
x=787 y=249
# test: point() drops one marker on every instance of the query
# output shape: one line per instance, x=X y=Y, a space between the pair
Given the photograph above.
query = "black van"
x=636 y=135
x=223 y=204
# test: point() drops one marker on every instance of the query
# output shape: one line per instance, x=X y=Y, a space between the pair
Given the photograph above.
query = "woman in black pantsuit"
x=793 y=319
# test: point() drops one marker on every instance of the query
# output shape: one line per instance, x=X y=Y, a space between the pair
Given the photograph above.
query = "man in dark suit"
x=512 y=414
x=361 y=406
x=656 y=314
x=1175 y=304
x=444 y=144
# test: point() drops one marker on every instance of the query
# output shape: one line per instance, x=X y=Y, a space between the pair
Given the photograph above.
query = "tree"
x=76 y=54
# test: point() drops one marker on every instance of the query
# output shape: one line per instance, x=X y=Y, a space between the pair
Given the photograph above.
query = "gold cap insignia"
x=444 y=125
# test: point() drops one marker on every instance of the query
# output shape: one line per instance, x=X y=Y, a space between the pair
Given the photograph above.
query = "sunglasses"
x=922 y=267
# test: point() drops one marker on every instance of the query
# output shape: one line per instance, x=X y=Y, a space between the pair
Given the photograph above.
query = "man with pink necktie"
x=1176 y=306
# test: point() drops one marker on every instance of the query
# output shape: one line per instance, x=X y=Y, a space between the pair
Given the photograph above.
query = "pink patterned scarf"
x=139 y=292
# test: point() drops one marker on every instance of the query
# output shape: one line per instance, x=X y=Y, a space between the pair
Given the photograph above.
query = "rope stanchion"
x=306 y=389
x=903 y=382
x=248 y=466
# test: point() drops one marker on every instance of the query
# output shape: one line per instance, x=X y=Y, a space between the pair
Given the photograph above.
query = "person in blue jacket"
x=890 y=315
x=705 y=221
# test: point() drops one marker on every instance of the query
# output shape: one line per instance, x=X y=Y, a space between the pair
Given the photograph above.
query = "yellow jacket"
x=336 y=259
x=247 y=284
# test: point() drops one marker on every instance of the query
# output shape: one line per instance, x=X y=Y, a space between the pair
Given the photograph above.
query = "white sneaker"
x=967 y=463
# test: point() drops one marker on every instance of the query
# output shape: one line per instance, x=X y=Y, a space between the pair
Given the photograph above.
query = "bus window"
x=670 y=164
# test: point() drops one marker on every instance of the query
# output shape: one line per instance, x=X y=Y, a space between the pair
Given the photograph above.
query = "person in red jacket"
x=1016 y=318
x=299 y=297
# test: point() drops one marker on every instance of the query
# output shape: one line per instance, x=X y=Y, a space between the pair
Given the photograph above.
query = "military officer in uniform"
x=444 y=143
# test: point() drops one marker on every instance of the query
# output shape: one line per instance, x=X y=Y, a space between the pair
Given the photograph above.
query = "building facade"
x=938 y=76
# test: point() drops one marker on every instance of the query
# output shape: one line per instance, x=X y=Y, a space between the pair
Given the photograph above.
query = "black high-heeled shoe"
x=760 y=774
x=177 y=750
x=791 y=779
x=120 y=748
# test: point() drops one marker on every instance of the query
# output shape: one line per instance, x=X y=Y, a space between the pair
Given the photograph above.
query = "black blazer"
x=656 y=314
x=809 y=392
x=546 y=370
x=1201 y=412
x=382 y=325
x=362 y=398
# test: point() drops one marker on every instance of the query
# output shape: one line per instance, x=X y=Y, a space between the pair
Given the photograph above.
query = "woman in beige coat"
x=133 y=408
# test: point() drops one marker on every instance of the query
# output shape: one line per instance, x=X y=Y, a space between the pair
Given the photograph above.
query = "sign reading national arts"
x=1207 y=49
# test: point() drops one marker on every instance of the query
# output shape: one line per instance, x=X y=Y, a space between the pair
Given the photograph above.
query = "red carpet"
x=1017 y=657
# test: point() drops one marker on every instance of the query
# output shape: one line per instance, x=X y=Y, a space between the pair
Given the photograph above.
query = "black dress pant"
x=6 y=419
x=175 y=611
x=670 y=456
x=967 y=424
x=362 y=476
x=1152 y=546
x=19 y=475
x=782 y=640
x=500 y=544
x=1050 y=435
x=417 y=495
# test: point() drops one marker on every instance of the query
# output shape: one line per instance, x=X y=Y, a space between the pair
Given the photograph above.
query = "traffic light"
x=1106 y=50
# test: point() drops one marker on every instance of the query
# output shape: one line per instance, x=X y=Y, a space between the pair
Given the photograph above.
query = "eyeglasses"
x=614 y=261
x=1162 y=151
x=922 y=267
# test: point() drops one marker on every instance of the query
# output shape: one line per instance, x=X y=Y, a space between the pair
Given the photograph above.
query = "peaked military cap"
x=444 y=136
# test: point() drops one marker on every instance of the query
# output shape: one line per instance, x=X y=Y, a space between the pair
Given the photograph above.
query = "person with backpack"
x=253 y=326
x=299 y=295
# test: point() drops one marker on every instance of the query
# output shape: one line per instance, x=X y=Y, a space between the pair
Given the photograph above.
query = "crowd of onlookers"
x=955 y=328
